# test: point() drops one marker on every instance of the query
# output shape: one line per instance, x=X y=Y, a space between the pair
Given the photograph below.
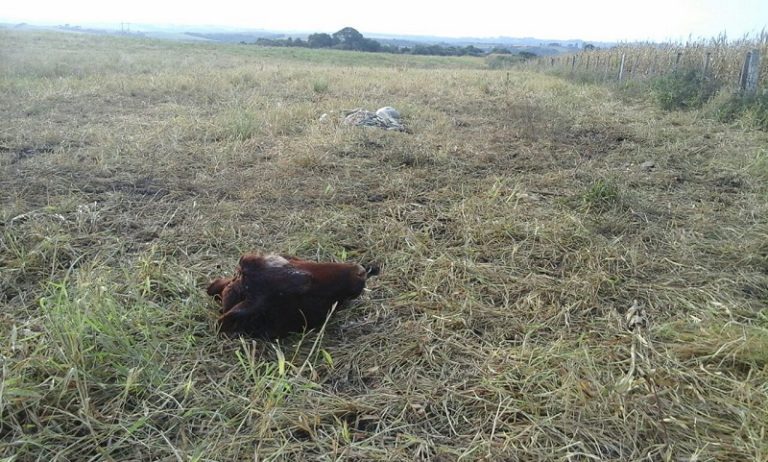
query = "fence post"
x=588 y=62
x=573 y=63
x=706 y=62
x=750 y=73
x=552 y=62
x=621 y=66
x=677 y=60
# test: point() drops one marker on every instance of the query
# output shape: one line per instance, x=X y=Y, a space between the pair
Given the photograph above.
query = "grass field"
x=543 y=295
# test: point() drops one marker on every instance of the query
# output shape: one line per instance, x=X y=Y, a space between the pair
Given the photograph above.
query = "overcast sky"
x=597 y=20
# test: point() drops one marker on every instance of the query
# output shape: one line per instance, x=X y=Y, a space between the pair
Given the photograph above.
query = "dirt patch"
x=26 y=152
x=729 y=183
x=144 y=187
x=593 y=141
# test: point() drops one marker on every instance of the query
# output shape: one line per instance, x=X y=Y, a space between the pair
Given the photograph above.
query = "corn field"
x=719 y=58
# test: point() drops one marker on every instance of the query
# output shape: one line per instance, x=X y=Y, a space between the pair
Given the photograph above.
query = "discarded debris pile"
x=387 y=118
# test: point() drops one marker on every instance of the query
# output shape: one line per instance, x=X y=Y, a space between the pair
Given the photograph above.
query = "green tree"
x=367 y=44
x=320 y=40
x=348 y=38
x=470 y=50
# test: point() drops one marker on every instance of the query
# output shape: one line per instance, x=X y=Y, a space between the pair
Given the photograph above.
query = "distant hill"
x=486 y=42
x=235 y=37
x=541 y=47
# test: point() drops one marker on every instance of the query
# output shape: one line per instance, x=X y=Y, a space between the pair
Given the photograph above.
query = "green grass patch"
x=601 y=195
x=683 y=89
x=752 y=111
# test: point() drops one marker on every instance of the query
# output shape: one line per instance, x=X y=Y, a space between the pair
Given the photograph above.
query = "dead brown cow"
x=271 y=295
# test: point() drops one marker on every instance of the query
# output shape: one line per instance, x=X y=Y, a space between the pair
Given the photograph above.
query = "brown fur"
x=271 y=296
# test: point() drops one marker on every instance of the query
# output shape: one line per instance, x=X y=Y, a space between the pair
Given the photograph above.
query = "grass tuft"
x=320 y=86
x=601 y=195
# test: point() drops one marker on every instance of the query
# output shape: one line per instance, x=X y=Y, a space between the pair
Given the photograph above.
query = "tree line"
x=349 y=38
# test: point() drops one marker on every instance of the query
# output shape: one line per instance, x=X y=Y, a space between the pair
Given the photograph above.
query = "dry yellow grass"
x=514 y=225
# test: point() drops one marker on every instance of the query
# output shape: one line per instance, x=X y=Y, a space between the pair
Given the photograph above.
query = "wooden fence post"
x=677 y=60
x=621 y=66
x=573 y=63
x=587 y=62
x=706 y=62
x=750 y=73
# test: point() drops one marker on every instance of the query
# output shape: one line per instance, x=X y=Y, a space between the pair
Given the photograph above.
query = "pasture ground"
x=514 y=224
